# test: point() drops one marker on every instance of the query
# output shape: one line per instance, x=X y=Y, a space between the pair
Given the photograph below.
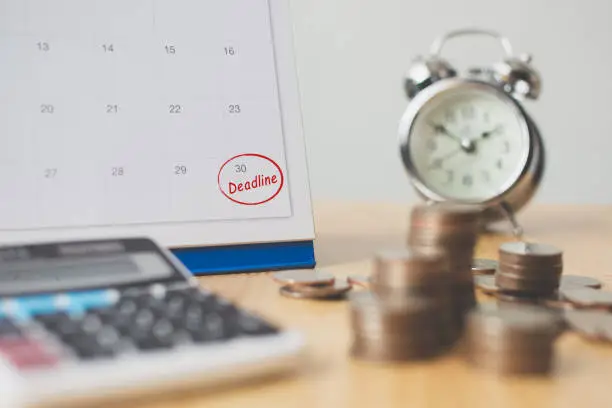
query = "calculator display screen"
x=58 y=267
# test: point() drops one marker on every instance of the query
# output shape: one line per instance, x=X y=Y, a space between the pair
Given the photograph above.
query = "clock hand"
x=467 y=145
x=488 y=133
x=437 y=162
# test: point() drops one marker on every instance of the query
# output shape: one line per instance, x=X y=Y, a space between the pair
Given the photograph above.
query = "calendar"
x=175 y=119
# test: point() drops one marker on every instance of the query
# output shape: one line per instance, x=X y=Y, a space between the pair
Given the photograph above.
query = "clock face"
x=469 y=144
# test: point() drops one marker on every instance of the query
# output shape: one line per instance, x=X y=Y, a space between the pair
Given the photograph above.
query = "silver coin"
x=575 y=281
x=486 y=283
x=591 y=324
x=304 y=277
x=588 y=297
x=483 y=266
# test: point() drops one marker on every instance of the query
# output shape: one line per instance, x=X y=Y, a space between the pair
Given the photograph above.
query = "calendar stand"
x=248 y=258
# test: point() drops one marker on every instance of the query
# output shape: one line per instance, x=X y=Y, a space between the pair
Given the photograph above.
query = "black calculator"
x=114 y=318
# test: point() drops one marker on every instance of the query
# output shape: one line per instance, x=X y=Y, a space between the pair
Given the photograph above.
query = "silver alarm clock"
x=467 y=138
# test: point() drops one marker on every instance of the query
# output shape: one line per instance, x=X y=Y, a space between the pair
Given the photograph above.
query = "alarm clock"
x=467 y=138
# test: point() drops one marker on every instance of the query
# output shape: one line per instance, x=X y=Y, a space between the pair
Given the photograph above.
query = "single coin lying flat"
x=575 y=281
x=358 y=280
x=486 y=283
x=588 y=297
x=590 y=324
x=335 y=291
x=304 y=278
x=481 y=266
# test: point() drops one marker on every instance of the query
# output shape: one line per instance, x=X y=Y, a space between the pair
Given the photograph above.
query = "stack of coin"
x=393 y=328
x=408 y=273
x=511 y=340
x=529 y=269
x=449 y=230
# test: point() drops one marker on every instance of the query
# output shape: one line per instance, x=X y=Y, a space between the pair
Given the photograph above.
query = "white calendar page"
x=177 y=119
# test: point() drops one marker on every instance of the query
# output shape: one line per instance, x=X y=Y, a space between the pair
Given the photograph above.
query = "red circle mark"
x=261 y=156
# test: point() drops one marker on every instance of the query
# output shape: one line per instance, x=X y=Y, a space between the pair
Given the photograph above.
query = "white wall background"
x=351 y=56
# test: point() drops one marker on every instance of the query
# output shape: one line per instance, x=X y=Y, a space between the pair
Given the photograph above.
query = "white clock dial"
x=469 y=144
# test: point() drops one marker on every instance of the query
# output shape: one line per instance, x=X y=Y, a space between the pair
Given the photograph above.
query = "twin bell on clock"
x=466 y=137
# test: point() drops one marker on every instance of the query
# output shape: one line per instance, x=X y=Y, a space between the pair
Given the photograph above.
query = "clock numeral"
x=506 y=146
x=467 y=180
x=468 y=112
x=450 y=116
x=486 y=176
x=499 y=164
x=170 y=49
x=431 y=145
x=450 y=176
x=435 y=164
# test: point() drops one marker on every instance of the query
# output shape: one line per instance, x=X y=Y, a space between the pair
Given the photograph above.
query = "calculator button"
x=126 y=306
x=9 y=329
x=103 y=344
x=254 y=326
x=93 y=299
x=143 y=319
x=161 y=335
x=212 y=327
x=27 y=354
x=175 y=306
x=35 y=305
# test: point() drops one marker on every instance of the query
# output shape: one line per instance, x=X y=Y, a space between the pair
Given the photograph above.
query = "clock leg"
x=517 y=230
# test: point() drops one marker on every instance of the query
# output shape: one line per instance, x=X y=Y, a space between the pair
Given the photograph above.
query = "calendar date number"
x=180 y=170
x=175 y=109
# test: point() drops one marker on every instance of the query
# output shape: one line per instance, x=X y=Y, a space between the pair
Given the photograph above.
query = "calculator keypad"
x=137 y=321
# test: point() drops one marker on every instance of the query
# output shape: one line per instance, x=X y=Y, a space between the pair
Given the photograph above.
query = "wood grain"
x=347 y=236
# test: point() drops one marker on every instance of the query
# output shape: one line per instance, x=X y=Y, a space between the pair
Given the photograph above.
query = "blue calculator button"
x=13 y=309
x=35 y=305
x=93 y=299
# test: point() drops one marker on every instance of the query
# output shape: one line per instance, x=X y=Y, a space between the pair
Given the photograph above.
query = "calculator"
x=81 y=321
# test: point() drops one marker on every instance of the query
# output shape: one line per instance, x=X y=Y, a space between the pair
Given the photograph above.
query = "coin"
x=525 y=286
x=527 y=253
x=482 y=266
x=511 y=340
x=520 y=320
x=486 y=283
x=514 y=297
x=590 y=324
x=574 y=281
x=303 y=277
x=335 y=291
x=358 y=280
x=588 y=297
x=405 y=269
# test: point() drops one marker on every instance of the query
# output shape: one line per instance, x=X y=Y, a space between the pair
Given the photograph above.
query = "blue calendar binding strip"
x=247 y=258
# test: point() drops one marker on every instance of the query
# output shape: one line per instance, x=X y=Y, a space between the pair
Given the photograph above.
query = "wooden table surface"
x=347 y=237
